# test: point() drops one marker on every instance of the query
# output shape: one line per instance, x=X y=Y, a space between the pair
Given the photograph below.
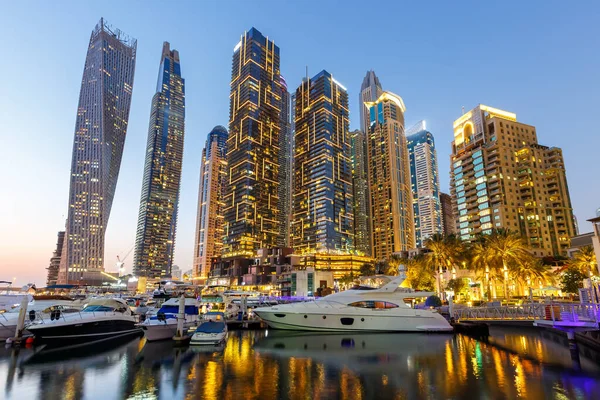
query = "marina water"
x=515 y=363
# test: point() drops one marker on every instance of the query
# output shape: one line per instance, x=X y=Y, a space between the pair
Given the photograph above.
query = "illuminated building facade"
x=448 y=219
x=425 y=183
x=392 y=221
x=285 y=169
x=157 y=222
x=370 y=90
x=100 y=129
x=502 y=178
x=362 y=226
x=209 y=221
x=323 y=207
x=252 y=204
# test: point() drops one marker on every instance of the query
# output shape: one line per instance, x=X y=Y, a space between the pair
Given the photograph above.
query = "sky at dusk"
x=539 y=59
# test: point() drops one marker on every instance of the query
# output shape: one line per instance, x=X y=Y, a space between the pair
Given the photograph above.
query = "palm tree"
x=418 y=273
x=501 y=249
x=585 y=260
x=444 y=251
x=529 y=271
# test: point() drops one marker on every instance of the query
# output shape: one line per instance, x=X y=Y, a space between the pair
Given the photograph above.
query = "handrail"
x=546 y=311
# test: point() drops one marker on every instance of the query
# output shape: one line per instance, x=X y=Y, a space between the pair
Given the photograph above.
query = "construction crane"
x=121 y=262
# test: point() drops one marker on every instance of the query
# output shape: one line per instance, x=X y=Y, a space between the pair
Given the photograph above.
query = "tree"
x=444 y=252
x=367 y=269
x=456 y=285
x=346 y=280
x=585 y=261
x=418 y=274
x=572 y=280
x=500 y=252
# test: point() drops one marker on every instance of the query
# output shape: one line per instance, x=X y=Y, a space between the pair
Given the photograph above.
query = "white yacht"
x=163 y=325
x=359 y=309
x=39 y=307
x=99 y=319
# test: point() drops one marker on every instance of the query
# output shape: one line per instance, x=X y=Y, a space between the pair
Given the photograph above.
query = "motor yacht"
x=99 y=319
x=39 y=307
x=365 y=309
x=163 y=325
x=210 y=332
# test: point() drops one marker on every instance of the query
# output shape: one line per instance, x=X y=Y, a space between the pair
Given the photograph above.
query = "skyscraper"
x=252 y=196
x=392 y=221
x=285 y=169
x=54 y=266
x=323 y=202
x=209 y=222
x=502 y=178
x=425 y=183
x=100 y=130
x=157 y=222
x=370 y=91
x=362 y=224
x=448 y=219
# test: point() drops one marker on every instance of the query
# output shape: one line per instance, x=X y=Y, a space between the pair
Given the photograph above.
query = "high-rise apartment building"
x=157 y=222
x=100 y=129
x=252 y=204
x=323 y=207
x=209 y=222
x=362 y=225
x=370 y=91
x=502 y=178
x=54 y=266
x=285 y=169
x=392 y=221
x=425 y=183
x=448 y=220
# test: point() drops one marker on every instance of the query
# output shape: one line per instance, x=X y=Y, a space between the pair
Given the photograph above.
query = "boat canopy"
x=211 y=327
x=173 y=309
x=104 y=305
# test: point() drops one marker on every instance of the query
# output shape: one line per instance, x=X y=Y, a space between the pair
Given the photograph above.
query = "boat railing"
x=56 y=315
x=534 y=311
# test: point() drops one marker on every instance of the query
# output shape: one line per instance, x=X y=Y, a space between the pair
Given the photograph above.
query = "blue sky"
x=539 y=59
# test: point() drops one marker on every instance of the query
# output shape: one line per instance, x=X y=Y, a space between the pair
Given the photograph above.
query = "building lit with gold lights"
x=502 y=178
x=252 y=206
x=392 y=222
x=323 y=205
x=209 y=222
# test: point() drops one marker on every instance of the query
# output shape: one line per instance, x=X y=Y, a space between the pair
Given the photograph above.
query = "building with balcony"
x=208 y=241
x=502 y=178
x=391 y=198
x=425 y=183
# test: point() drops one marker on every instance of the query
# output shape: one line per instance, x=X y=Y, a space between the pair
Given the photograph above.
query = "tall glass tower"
x=155 y=238
x=209 y=222
x=392 y=220
x=100 y=129
x=252 y=204
x=425 y=183
x=323 y=201
x=285 y=168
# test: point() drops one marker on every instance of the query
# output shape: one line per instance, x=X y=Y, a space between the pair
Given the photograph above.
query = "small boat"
x=99 y=319
x=163 y=325
x=210 y=333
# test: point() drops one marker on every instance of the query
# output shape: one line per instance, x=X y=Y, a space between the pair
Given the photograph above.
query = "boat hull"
x=374 y=321
x=208 y=339
x=163 y=331
x=83 y=331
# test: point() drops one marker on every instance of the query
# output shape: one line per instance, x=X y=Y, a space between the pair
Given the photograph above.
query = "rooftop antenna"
x=463 y=110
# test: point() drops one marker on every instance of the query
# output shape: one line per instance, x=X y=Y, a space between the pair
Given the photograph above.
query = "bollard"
x=179 y=336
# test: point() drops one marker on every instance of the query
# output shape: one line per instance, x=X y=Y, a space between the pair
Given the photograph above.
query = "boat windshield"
x=373 y=304
x=97 y=308
x=211 y=327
